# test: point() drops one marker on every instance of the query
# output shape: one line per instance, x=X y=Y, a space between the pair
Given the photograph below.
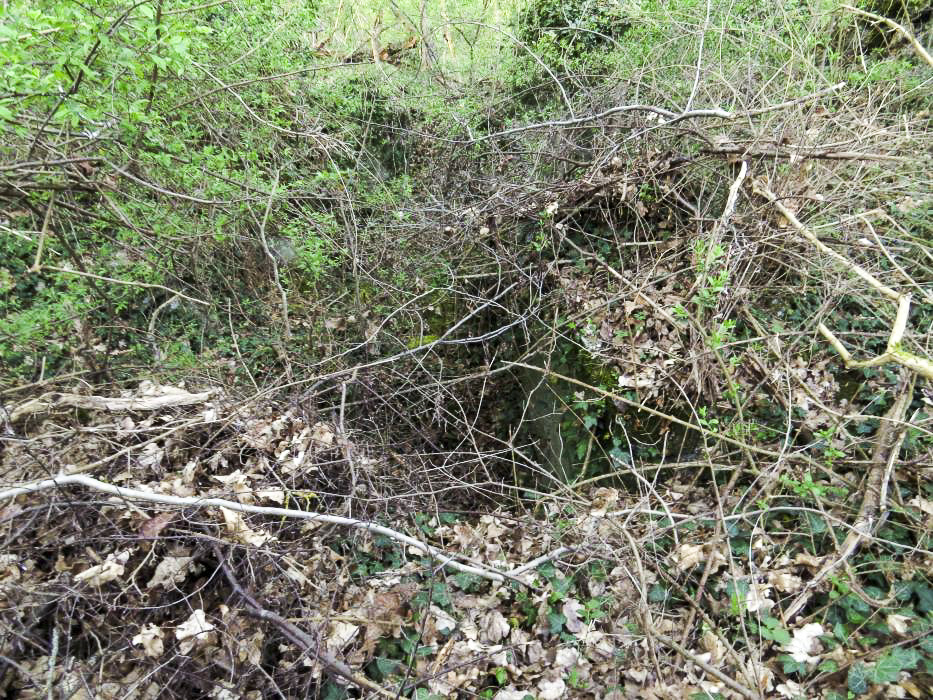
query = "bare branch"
x=443 y=559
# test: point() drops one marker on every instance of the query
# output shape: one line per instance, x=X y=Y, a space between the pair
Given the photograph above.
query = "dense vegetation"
x=597 y=333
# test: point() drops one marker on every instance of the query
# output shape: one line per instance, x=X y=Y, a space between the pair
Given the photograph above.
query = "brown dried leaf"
x=152 y=527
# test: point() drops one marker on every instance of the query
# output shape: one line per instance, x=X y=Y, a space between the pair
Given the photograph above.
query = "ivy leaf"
x=890 y=665
x=816 y=523
x=857 y=679
x=386 y=667
x=425 y=694
x=738 y=591
x=555 y=621
x=924 y=595
x=789 y=665
x=840 y=632
x=780 y=635
x=657 y=593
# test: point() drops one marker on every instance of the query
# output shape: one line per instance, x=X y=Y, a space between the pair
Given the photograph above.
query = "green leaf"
x=888 y=668
x=555 y=621
x=780 y=635
x=858 y=678
x=737 y=591
x=334 y=692
x=502 y=676
x=924 y=595
x=657 y=593
x=828 y=666
x=386 y=666
x=425 y=694
x=816 y=523
x=466 y=581
x=788 y=665
x=840 y=632
x=561 y=587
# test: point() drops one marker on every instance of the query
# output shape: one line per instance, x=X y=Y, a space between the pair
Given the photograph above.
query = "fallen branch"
x=443 y=559
x=762 y=191
x=796 y=153
x=667 y=117
x=544 y=558
x=712 y=670
x=652 y=633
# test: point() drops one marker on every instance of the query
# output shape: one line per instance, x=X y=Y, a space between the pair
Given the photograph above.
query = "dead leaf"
x=509 y=693
x=898 y=624
x=808 y=560
x=494 y=627
x=151 y=456
x=274 y=495
x=195 y=631
x=339 y=634
x=443 y=622
x=150 y=639
x=571 y=610
x=923 y=504
x=566 y=657
x=237 y=526
x=152 y=527
x=757 y=598
x=792 y=690
x=713 y=645
x=239 y=483
x=322 y=434
x=805 y=643
x=687 y=556
x=170 y=572
x=785 y=582
x=111 y=569
x=551 y=690
x=603 y=500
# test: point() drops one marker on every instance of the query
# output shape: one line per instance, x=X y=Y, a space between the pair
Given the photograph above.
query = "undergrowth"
x=547 y=287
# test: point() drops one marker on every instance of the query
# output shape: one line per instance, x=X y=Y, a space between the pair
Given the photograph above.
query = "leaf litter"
x=573 y=628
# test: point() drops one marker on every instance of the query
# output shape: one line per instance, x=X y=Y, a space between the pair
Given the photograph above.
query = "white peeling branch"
x=194 y=502
x=128 y=283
